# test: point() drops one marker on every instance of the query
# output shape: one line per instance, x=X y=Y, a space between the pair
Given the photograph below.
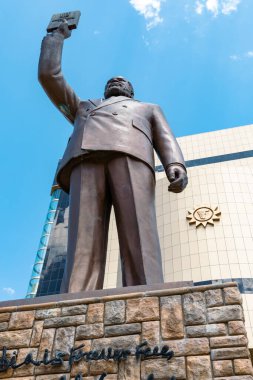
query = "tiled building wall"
x=112 y=269
x=216 y=143
x=222 y=251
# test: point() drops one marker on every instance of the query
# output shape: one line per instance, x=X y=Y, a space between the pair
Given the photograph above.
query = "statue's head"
x=118 y=86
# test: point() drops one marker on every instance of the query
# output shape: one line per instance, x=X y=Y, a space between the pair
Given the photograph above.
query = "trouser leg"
x=89 y=213
x=132 y=186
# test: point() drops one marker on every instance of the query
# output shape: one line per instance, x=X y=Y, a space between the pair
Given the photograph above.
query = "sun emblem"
x=204 y=215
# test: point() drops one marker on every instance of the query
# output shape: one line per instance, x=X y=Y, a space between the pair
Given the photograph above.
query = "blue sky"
x=194 y=58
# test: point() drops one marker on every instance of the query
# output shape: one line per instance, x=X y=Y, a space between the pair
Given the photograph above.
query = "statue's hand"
x=177 y=176
x=63 y=30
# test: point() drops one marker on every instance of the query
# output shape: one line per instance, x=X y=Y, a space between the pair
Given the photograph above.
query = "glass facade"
x=54 y=263
x=43 y=245
x=50 y=259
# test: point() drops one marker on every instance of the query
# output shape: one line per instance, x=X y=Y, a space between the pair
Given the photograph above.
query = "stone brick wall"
x=202 y=325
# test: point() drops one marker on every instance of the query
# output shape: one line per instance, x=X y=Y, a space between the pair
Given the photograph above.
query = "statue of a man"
x=109 y=160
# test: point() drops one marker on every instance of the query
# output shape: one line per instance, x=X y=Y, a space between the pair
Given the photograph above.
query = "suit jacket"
x=118 y=124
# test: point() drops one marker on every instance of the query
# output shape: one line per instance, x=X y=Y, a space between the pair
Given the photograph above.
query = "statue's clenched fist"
x=177 y=176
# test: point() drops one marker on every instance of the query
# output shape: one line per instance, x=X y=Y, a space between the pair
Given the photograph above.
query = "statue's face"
x=118 y=86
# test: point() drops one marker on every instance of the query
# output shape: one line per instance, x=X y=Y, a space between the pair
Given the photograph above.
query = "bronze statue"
x=109 y=160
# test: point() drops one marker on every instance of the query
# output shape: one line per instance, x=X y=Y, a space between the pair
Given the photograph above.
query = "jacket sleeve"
x=165 y=144
x=51 y=77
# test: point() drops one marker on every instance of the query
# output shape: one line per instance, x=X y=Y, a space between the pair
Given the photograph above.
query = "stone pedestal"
x=203 y=326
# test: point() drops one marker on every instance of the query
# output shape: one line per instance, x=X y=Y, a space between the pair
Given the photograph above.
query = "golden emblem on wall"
x=204 y=215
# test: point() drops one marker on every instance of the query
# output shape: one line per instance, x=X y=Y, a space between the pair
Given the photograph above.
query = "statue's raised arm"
x=50 y=72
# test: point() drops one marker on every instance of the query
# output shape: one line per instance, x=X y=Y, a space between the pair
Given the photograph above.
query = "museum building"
x=206 y=232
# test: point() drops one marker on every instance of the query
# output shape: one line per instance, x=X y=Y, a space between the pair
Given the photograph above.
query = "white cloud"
x=234 y=57
x=150 y=9
x=199 y=7
x=9 y=291
x=146 y=42
x=212 y=6
x=216 y=6
x=229 y=6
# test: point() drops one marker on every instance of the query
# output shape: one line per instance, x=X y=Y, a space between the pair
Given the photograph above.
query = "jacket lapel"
x=112 y=100
x=95 y=102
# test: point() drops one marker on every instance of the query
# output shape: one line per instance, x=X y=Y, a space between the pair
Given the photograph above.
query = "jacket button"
x=115 y=113
x=92 y=113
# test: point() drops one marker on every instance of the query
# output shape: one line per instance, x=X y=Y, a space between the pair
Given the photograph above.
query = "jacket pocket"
x=144 y=127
